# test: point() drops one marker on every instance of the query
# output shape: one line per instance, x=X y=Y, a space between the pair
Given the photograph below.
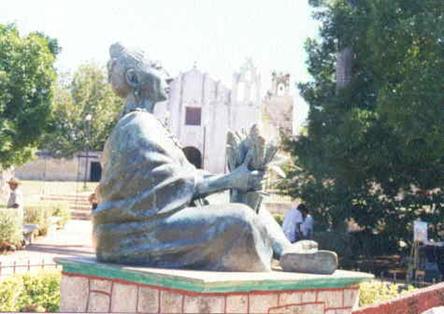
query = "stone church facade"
x=278 y=106
x=200 y=111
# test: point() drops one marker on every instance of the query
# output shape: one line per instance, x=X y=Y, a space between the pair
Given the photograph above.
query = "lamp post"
x=88 y=119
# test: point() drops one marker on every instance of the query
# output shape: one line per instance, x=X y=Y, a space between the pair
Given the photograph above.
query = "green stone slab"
x=212 y=282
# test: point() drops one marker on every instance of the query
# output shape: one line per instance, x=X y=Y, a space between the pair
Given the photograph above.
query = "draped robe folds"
x=145 y=217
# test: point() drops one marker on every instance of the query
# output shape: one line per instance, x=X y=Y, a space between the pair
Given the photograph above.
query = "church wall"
x=57 y=169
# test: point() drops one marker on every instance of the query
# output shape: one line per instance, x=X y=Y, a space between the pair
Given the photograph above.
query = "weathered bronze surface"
x=148 y=190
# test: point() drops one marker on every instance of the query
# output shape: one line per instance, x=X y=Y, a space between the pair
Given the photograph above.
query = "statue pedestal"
x=88 y=286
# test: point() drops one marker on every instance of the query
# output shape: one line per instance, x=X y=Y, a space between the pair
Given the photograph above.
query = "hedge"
x=374 y=291
x=39 y=213
x=10 y=228
x=31 y=292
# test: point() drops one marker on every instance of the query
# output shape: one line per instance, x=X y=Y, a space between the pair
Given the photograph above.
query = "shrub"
x=10 y=227
x=39 y=214
x=334 y=241
x=61 y=210
x=378 y=291
x=10 y=289
x=41 y=291
x=31 y=292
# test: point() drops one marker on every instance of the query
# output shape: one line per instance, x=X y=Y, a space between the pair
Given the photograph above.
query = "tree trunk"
x=344 y=62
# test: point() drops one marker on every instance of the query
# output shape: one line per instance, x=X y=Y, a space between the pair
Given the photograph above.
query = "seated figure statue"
x=147 y=215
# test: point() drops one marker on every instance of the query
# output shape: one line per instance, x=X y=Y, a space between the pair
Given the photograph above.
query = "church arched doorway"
x=194 y=156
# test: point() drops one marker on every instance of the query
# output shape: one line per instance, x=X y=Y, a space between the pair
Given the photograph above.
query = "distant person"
x=94 y=198
x=307 y=225
x=292 y=223
x=15 y=200
x=15 y=196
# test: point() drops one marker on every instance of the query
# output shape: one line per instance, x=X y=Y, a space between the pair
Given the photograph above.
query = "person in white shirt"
x=292 y=223
x=15 y=200
x=15 y=197
x=307 y=225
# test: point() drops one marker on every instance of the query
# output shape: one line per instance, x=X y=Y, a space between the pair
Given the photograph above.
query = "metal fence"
x=28 y=266
x=397 y=278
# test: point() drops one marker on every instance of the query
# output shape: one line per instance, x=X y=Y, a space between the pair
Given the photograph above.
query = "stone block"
x=170 y=302
x=237 y=304
x=309 y=296
x=260 y=303
x=148 y=300
x=204 y=304
x=100 y=285
x=290 y=298
x=74 y=294
x=331 y=298
x=98 y=302
x=124 y=298
x=351 y=298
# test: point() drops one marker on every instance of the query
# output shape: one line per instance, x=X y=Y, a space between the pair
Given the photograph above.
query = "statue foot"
x=312 y=261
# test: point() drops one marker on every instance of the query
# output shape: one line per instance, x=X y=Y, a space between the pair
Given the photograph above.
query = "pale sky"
x=216 y=34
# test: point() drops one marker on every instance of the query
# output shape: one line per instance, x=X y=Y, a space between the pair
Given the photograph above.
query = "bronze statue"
x=147 y=214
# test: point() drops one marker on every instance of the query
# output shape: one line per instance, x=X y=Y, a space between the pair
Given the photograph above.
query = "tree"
x=26 y=90
x=374 y=149
x=88 y=93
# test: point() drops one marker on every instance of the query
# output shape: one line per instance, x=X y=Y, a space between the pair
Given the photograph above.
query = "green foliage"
x=42 y=290
x=10 y=227
x=62 y=211
x=31 y=292
x=10 y=290
x=40 y=213
x=377 y=291
x=26 y=89
x=374 y=150
x=88 y=93
x=339 y=242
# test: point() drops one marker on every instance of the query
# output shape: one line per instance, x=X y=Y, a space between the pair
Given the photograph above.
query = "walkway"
x=74 y=240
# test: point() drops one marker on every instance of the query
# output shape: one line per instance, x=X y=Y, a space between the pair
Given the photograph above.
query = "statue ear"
x=132 y=79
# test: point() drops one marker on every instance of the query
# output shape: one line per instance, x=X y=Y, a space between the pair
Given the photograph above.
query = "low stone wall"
x=94 y=294
x=93 y=287
x=415 y=302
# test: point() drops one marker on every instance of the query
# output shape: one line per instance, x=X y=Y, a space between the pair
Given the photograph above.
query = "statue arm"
x=241 y=179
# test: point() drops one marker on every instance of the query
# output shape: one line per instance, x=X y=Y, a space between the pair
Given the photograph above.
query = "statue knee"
x=243 y=216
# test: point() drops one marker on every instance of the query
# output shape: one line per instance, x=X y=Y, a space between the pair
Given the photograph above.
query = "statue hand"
x=245 y=180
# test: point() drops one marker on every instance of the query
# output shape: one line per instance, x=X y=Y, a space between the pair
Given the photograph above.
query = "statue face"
x=159 y=87
x=116 y=77
x=152 y=83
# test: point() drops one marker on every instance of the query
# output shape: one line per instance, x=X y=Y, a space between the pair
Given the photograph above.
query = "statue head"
x=131 y=74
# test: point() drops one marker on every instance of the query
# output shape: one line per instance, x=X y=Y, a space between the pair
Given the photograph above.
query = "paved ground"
x=74 y=240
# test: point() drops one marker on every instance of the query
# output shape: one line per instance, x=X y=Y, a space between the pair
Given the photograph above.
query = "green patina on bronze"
x=91 y=268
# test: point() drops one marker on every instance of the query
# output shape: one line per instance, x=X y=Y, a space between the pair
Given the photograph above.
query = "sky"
x=216 y=35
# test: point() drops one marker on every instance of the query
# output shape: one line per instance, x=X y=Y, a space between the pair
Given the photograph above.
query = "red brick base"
x=82 y=293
